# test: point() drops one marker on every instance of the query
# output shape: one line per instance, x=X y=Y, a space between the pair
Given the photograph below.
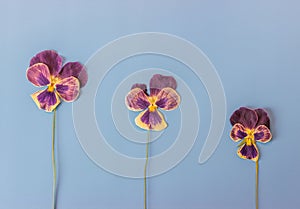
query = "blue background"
x=254 y=46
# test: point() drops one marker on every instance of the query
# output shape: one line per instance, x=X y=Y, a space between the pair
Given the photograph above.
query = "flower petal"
x=141 y=86
x=38 y=74
x=151 y=121
x=263 y=117
x=167 y=99
x=49 y=58
x=249 y=152
x=75 y=69
x=238 y=132
x=46 y=100
x=83 y=77
x=137 y=100
x=262 y=134
x=68 y=88
x=245 y=116
x=159 y=82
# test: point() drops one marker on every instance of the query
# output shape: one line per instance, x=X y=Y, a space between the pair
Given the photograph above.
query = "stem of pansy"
x=145 y=170
x=53 y=161
x=256 y=184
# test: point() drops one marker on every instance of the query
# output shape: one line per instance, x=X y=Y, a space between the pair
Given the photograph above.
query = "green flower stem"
x=256 y=184
x=53 y=161
x=145 y=170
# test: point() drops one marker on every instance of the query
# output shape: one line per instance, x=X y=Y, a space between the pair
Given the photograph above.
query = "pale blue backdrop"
x=254 y=46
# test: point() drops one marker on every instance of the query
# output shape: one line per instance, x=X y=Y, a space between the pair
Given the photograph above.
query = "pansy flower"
x=46 y=70
x=162 y=96
x=250 y=126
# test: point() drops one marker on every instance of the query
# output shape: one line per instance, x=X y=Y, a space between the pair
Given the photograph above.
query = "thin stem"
x=256 y=184
x=53 y=161
x=145 y=170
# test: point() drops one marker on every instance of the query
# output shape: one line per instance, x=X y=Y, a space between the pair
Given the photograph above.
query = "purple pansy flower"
x=250 y=126
x=162 y=95
x=63 y=82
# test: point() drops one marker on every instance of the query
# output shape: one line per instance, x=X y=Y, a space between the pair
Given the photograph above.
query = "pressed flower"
x=46 y=70
x=162 y=96
x=250 y=126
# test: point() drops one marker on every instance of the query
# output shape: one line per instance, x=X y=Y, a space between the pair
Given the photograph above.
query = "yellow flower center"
x=152 y=107
x=51 y=87
x=53 y=81
x=249 y=139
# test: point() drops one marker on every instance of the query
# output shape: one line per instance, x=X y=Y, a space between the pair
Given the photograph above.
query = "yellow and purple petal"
x=137 y=100
x=68 y=88
x=158 y=82
x=262 y=134
x=151 y=120
x=245 y=116
x=167 y=99
x=238 y=132
x=38 y=74
x=50 y=58
x=249 y=152
x=75 y=69
x=46 y=100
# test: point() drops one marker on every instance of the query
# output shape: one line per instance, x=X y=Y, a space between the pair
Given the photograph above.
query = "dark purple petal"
x=259 y=135
x=49 y=58
x=249 y=152
x=241 y=134
x=159 y=82
x=75 y=69
x=245 y=116
x=263 y=118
